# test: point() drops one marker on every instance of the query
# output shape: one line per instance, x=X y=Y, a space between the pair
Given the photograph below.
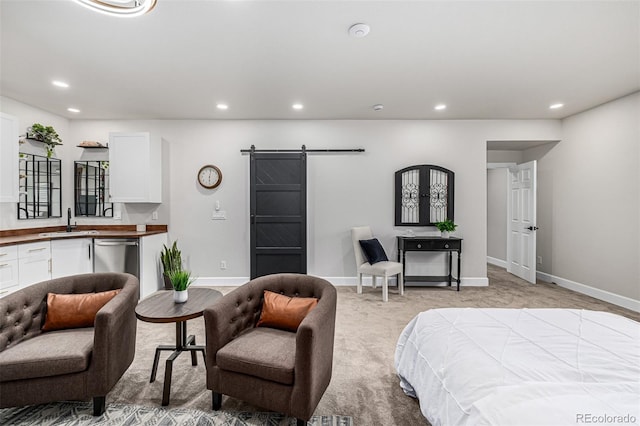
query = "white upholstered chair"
x=383 y=269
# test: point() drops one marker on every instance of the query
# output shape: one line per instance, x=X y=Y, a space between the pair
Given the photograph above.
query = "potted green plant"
x=180 y=280
x=45 y=134
x=445 y=227
x=171 y=258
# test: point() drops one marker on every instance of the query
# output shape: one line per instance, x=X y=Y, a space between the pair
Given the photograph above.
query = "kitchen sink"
x=60 y=234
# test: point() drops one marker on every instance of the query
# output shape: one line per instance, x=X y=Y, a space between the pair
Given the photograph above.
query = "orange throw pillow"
x=284 y=312
x=74 y=310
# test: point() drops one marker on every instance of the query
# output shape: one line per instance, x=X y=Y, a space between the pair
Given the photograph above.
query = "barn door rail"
x=303 y=149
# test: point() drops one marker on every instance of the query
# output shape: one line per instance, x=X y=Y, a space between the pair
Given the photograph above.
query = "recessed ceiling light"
x=440 y=107
x=120 y=8
x=359 y=30
x=73 y=110
x=297 y=106
x=59 y=83
x=378 y=107
x=556 y=106
x=222 y=106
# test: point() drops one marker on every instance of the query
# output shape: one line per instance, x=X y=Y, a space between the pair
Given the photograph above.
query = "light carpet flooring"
x=364 y=385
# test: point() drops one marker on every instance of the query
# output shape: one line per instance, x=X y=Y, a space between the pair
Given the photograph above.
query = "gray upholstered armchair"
x=279 y=370
x=70 y=364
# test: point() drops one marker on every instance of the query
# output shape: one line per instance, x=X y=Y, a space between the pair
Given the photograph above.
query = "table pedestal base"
x=183 y=344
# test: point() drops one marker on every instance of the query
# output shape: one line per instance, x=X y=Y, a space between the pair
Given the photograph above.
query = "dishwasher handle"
x=116 y=243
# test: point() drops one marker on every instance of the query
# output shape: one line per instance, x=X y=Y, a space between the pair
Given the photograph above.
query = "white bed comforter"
x=522 y=366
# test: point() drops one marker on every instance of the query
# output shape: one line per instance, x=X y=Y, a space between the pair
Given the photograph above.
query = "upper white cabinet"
x=135 y=162
x=8 y=158
x=71 y=256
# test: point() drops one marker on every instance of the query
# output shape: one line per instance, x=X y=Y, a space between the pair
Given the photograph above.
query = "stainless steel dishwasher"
x=116 y=255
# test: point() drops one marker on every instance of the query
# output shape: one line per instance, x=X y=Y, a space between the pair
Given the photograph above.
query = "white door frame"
x=521 y=221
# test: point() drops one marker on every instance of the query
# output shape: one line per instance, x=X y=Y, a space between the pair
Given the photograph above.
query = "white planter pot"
x=444 y=234
x=180 y=296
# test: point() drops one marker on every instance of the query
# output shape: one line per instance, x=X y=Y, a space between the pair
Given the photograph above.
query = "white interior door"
x=521 y=233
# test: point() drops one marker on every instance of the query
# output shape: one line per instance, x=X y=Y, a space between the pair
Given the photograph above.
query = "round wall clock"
x=209 y=176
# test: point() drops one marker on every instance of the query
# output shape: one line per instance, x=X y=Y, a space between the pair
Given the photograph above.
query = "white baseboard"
x=474 y=281
x=336 y=281
x=607 y=296
x=498 y=262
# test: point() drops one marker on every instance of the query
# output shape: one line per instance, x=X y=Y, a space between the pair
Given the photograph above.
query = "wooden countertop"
x=31 y=235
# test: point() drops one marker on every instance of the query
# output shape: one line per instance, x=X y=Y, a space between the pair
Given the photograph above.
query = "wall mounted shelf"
x=38 y=140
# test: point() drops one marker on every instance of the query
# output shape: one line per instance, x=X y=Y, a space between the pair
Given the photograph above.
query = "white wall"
x=344 y=190
x=504 y=156
x=590 y=199
x=497 y=187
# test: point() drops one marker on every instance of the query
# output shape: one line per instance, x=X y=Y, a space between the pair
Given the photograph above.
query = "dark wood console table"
x=434 y=244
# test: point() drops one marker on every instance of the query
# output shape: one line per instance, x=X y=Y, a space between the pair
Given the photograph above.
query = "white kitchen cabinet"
x=34 y=263
x=135 y=163
x=8 y=158
x=150 y=265
x=71 y=256
x=8 y=270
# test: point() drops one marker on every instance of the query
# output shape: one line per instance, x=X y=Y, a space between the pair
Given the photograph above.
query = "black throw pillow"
x=373 y=250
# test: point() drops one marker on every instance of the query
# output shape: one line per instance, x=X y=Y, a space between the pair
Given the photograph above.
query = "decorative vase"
x=444 y=234
x=180 y=296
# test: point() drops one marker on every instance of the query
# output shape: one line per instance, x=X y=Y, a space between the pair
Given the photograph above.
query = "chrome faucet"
x=69 y=226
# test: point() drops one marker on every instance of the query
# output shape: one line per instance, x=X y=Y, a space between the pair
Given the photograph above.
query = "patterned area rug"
x=80 y=413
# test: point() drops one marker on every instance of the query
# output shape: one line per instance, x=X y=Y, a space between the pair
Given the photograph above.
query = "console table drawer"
x=430 y=244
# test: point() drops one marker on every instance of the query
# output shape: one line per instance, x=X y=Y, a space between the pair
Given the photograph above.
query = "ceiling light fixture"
x=297 y=106
x=359 y=30
x=121 y=8
x=76 y=110
x=378 y=107
x=59 y=83
x=440 y=107
x=556 y=106
x=222 y=106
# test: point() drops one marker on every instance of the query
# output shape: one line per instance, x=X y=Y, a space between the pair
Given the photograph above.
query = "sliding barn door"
x=278 y=213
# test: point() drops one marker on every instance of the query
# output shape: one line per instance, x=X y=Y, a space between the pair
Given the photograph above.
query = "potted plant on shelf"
x=171 y=258
x=445 y=227
x=180 y=280
x=45 y=134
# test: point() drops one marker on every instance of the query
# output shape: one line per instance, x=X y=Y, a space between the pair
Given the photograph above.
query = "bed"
x=521 y=366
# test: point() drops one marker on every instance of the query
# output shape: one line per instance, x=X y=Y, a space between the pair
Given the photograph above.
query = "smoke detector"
x=378 y=107
x=359 y=30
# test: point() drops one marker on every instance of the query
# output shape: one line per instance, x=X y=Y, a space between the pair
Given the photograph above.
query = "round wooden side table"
x=160 y=308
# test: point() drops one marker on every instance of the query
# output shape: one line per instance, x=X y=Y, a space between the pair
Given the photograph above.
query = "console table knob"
x=419 y=245
x=446 y=246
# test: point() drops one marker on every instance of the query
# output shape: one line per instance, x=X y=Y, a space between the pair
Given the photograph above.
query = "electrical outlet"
x=539 y=260
x=219 y=215
x=117 y=215
x=154 y=216
x=223 y=264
